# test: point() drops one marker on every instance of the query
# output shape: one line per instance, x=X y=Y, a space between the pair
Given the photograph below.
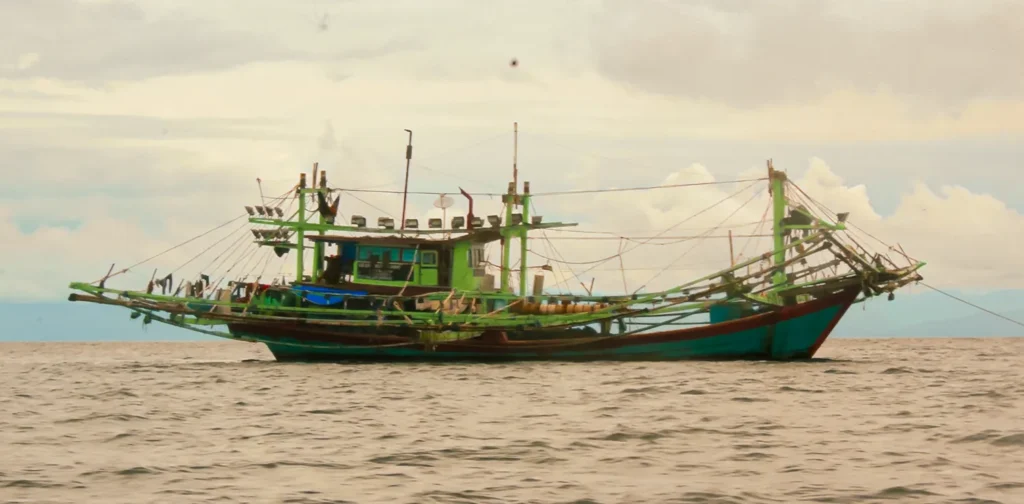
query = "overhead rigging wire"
x=186 y=242
x=367 y=203
x=561 y=193
x=684 y=254
x=646 y=188
x=968 y=303
x=618 y=234
x=687 y=219
x=207 y=249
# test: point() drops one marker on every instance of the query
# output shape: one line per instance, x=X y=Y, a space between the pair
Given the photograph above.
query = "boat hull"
x=788 y=333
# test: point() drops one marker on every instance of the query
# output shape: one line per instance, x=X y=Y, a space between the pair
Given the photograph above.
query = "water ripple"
x=872 y=421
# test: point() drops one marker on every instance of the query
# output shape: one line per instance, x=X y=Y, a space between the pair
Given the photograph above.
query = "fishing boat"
x=396 y=291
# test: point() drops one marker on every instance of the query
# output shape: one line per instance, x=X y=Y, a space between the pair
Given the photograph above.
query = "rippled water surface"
x=872 y=420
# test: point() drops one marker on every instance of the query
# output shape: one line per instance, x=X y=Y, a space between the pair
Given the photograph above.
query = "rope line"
x=186 y=242
x=968 y=303
x=687 y=219
x=560 y=193
x=684 y=254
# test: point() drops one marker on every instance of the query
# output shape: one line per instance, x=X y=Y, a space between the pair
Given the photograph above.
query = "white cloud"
x=754 y=53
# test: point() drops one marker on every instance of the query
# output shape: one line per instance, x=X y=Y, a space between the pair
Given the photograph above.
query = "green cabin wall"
x=462 y=270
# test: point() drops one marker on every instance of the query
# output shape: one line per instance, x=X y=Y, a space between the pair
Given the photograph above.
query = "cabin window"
x=385 y=263
x=428 y=258
x=476 y=258
x=392 y=254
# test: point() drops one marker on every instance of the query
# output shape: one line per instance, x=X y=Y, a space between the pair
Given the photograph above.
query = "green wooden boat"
x=401 y=294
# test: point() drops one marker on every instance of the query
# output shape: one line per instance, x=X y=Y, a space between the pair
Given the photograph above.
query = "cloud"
x=98 y=42
x=751 y=54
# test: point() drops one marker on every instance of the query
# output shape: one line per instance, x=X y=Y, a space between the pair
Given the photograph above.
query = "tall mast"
x=522 y=238
x=318 y=247
x=510 y=199
x=405 y=191
x=300 y=231
x=777 y=181
x=506 y=238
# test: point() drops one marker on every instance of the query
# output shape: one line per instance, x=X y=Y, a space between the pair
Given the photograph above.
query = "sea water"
x=897 y=420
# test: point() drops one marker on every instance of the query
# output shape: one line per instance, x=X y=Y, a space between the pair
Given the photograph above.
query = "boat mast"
x=777 y=181
x=506 y=239
x=509 y=200
x=300 y=232
x=525 y=200
x=318 y=247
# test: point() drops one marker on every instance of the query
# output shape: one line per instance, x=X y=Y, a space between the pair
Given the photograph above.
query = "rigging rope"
x=687 y=219
x=617 y=234
x=207 y=249
x=368 y=203
x=561 y=193
x=186 y=242
x=757 y=230
x=646 y=188
x=684 y=254
x=968 y=303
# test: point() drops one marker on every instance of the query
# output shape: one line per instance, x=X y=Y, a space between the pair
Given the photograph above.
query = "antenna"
x=515 y=156
x=408 y=159
x=444 y=202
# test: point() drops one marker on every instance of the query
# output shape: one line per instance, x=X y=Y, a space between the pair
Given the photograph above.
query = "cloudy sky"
x=127 y=127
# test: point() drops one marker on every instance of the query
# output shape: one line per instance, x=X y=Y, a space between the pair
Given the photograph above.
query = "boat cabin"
x=410 y=262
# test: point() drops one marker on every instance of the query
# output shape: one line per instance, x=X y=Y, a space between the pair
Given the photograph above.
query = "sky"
x=128 y=127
